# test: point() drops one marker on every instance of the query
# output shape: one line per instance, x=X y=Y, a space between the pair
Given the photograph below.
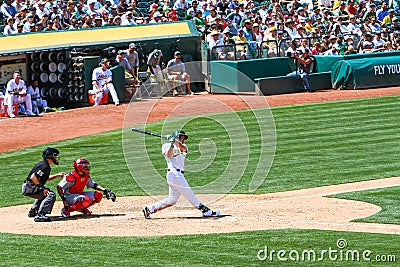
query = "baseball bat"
x=149 y=133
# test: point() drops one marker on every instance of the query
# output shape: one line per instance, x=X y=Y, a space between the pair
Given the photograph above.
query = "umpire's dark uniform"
x=44 y=202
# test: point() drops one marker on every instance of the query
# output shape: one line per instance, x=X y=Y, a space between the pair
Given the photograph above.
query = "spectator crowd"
x=325 y=26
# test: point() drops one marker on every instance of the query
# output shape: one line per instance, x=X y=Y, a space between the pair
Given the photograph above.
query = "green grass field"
x=317 y=144
x=387 y=198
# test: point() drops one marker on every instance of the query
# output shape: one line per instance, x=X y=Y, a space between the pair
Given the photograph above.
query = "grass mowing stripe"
x=341 y=104
x=229 y=249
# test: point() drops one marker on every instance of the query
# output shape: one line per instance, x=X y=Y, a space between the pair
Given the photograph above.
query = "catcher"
x=71 y=188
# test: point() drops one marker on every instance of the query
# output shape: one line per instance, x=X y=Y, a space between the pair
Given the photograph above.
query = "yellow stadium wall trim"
x=80 y=38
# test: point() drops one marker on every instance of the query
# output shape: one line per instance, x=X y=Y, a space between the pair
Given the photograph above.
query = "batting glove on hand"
x=171 y=139
x=109 y=195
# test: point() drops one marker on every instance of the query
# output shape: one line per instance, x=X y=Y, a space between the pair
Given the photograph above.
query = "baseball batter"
x=175 y=154
x=33 y=186
x=102 y=83
x=16 y=93
x=70 y=189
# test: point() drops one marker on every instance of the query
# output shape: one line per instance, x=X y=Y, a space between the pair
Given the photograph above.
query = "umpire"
x=33 y=186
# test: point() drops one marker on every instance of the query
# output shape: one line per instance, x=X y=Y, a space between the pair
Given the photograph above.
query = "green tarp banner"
x=366 y=73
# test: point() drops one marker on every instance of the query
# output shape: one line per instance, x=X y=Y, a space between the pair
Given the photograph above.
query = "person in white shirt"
x=102 y=83
x=9 y=28
x=37 y=102
x=175 y=155
x=127 y=19
x=16 y=93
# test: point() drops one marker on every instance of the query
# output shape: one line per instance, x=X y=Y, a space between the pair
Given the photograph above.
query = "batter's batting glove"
x=109 y=195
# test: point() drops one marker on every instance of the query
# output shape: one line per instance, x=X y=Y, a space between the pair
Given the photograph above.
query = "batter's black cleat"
x=32 y=213
x=146 y=213
x=42 y=218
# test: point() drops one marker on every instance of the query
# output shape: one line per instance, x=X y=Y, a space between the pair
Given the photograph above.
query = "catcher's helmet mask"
x=82 y=165
x=51 y=153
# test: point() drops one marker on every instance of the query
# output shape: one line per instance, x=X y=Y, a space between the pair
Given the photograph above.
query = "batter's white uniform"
x=176 y=180
x=22 y=97
x=102 y=77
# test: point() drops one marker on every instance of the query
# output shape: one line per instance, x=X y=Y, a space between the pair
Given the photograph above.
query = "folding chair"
x=149 y=87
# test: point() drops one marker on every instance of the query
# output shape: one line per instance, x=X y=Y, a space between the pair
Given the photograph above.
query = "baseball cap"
x=272 y=29
x=132 y=45
x=177 y=53
x=103 y=60
x=391 y=10
x=156 y=52
x=121 y=52
x=395 y=19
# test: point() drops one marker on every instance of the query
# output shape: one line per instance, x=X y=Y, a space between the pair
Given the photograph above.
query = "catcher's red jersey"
x=79 y=182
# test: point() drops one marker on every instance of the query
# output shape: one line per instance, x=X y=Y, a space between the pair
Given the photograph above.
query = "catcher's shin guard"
x=97 y=197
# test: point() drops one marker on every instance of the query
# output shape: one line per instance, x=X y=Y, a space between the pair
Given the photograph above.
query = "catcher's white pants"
x=177 y=186
x=104 y=90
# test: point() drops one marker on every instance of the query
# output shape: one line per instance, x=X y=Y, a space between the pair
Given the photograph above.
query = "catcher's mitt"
x=109 y=195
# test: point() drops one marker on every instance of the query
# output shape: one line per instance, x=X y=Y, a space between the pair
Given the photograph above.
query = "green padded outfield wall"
x=223 y=76
x=366 y=72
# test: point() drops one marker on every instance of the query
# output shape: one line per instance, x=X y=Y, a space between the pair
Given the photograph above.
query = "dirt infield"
x=306 y=209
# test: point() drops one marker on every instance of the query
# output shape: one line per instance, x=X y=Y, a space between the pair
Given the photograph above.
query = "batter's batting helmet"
x=82 y=165
x=51 y=153
x=179 y=133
